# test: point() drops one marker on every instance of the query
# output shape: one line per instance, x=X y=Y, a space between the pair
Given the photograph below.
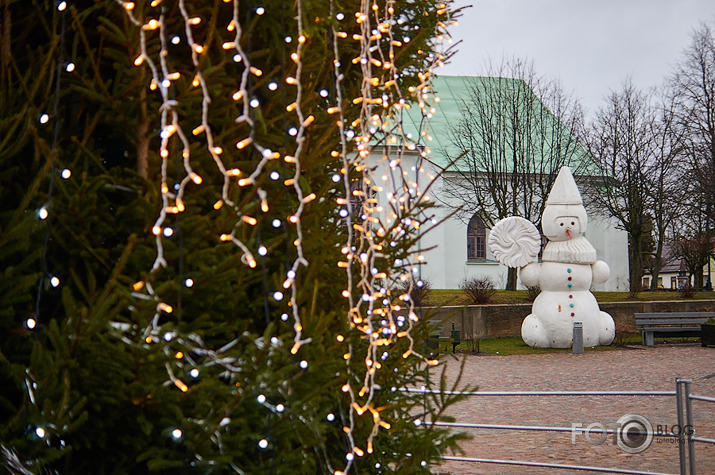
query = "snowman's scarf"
x=577 y=251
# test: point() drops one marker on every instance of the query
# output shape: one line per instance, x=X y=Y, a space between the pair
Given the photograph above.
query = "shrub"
x=417 y=289
x=634 y=289
x=688 y=292
x=624 y=338
x=479 y=290
x=532 y=293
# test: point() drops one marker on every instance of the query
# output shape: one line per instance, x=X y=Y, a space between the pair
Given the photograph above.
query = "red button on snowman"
x=568 y=268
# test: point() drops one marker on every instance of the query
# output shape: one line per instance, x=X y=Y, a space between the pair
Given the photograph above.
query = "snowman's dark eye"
x=572 y=223
x=562 y=224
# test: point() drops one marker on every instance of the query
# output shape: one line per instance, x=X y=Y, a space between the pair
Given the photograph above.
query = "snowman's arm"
x=530 y=274
x=601 y=272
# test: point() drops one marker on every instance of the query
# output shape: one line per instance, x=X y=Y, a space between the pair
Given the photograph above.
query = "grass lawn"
x=446 y=297
x=516 y=346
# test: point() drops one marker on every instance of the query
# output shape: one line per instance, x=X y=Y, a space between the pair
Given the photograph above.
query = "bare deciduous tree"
x=621 y=142
x=666 y=175
x=694 y=85
x=691 y=229
x=694 y=252
x=512 y=139
x=639 y=146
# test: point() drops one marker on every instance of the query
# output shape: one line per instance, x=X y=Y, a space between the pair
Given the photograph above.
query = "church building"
x=462 y=154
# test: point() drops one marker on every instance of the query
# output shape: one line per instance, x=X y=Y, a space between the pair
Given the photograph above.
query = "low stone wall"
x=487 y=321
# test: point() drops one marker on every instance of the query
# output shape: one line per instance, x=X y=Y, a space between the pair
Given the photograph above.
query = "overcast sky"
x=590 y=45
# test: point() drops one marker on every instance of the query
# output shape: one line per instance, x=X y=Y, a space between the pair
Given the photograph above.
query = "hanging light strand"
x=302 y=200
x=373 y=312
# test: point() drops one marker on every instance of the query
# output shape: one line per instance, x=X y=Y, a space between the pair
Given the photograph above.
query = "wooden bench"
x=670 y=324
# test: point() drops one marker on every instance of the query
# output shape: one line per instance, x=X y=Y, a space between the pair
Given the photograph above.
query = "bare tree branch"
x=514 y=135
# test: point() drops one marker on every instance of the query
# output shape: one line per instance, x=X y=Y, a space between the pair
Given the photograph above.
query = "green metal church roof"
x=453 y=92
x=448 y=111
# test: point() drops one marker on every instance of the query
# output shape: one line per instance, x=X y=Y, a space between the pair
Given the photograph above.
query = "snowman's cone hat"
x=564 y=191
x=565 y=200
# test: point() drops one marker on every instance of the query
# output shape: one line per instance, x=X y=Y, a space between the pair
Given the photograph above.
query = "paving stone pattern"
x=630 y=369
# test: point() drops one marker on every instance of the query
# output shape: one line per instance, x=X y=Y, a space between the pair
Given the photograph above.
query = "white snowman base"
x=565 y=298
x=547 y=333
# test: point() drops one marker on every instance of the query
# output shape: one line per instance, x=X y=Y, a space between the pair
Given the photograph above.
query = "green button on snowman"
x=568 y=268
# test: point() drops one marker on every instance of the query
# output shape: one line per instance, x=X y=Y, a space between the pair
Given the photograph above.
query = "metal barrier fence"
x=686 y=396
x=686 y=432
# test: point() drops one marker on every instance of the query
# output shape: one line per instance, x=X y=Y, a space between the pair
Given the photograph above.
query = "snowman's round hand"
x=601 y=272
x=530 y=274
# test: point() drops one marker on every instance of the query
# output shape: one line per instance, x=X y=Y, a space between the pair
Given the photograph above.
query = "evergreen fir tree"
x=193 y=364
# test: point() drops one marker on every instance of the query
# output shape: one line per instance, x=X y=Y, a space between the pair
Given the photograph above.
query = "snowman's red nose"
x=568 y=231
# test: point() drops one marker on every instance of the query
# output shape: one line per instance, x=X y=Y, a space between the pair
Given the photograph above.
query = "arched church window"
x=476 y=239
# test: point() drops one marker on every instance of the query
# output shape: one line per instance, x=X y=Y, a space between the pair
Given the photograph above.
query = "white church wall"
x=611 y=247
x=446 y=265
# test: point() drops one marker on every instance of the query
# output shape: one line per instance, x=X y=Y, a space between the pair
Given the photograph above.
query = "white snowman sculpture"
x=566 y=272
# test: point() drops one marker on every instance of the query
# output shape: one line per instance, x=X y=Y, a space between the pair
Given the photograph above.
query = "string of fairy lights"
x=33 y=322
x=379 y=130
x=173 y=201
x=65 y=173
x=386 y=205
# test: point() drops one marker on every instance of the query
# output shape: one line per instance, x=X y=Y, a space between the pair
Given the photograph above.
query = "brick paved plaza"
x=630 y=369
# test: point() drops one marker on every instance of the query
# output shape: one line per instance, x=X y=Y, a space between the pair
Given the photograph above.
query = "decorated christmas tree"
x=200 y=271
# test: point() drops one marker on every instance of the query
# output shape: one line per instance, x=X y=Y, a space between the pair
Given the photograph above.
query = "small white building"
x=456 y=249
